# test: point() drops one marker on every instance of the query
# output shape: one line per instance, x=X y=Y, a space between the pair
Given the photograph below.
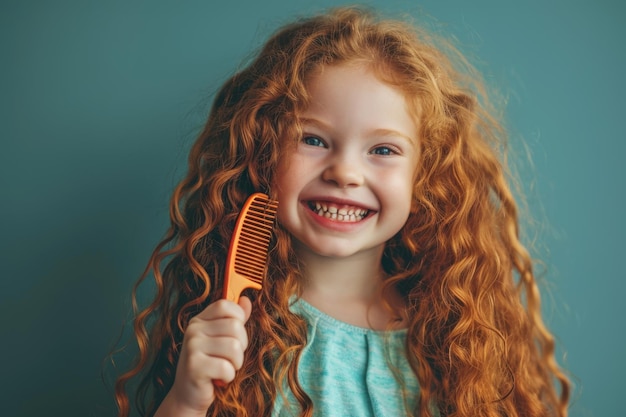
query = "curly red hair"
x=476 y=340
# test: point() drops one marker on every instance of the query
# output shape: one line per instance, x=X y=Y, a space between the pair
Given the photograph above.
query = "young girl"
x=397 y=283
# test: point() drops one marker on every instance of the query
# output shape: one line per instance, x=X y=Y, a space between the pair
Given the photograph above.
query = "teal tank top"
x=348 y=370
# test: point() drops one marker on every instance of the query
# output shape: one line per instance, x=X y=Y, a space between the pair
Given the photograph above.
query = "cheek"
x=289 y=182
x=285 y=163
x=292 y=171
x=284 y=179
x=398 y=191
x=397 y=183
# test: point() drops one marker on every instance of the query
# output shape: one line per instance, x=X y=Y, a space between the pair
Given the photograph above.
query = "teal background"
x=100 y=101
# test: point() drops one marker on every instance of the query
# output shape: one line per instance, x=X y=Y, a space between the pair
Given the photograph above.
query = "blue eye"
x=383 y=150
x=313 y=141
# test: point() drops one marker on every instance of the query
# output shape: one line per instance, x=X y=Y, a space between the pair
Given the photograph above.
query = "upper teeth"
x=341 y=214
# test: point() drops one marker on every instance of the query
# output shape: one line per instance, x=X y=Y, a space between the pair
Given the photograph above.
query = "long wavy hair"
x=476 y=340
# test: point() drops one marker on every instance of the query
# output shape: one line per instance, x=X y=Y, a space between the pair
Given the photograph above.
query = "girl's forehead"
x=382 y=73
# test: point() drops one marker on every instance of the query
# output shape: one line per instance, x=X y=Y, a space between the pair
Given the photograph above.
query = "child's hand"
x=213 y=349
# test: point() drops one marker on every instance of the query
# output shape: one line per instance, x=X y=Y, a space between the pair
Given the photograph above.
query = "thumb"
x=246 y=305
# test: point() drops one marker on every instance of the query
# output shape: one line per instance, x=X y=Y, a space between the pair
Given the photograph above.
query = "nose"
x=344 y=172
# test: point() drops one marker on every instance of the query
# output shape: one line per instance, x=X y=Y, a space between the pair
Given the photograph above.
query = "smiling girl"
x=397 y=284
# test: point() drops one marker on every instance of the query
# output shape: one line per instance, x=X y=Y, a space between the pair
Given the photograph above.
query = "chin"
x=337 y=250
x=326 y=253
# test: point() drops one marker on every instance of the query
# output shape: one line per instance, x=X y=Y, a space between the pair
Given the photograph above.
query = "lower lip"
x=335 y=224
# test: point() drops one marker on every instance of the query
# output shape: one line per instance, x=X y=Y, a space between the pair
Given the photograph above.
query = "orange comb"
x=246 y=263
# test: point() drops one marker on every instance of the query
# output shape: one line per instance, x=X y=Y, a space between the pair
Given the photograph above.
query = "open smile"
x=338 y=212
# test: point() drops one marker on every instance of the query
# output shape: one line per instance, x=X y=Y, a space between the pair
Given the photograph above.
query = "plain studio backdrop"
x=100 y=101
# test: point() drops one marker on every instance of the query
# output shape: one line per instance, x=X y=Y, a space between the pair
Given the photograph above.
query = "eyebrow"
x=391 y=132
x=314 y=122
x=376 y=132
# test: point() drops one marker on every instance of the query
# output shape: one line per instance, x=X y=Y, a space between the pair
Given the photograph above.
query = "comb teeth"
x=254 y=239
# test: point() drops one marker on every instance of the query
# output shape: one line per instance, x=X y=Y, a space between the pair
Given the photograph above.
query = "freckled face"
x=346 y=188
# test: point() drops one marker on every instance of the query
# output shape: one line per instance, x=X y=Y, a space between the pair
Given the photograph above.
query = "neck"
x=349 y=288
x=355 y=277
